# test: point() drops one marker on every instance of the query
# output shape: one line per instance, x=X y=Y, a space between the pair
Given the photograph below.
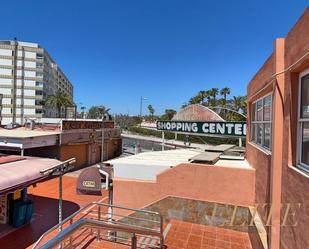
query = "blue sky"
x=166 y=50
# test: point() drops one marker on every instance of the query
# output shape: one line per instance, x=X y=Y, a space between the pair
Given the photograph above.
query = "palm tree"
x=97 y=112
x=224 y=92
x=169 y=114
x=207 y=96
x=151 y=110
x=244 y=105
x=59 y=100
x=195 y=100
x=184 y=105
x=214 y=92
x=239 y=103
x=201 y=96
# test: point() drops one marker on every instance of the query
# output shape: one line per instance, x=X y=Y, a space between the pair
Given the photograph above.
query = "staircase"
x=100 y=225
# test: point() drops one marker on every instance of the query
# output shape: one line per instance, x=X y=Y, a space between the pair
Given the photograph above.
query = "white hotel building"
x=27 y=76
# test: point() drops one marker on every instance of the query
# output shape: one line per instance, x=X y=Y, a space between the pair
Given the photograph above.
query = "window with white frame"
x=303 y=120
x=261 y=122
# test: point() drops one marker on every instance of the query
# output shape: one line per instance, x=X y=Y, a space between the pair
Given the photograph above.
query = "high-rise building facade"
x=27 y=76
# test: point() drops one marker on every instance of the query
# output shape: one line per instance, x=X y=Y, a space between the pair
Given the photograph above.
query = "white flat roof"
x=21 y=133
x=163 y=158
x=233 y=163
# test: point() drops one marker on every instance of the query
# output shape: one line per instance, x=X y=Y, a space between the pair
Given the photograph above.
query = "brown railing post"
x=133 y=241
x=161 y=232
x=99 y=218
x=70 y=241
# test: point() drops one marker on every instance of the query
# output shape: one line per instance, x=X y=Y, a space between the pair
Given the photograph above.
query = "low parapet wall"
x=218 y=184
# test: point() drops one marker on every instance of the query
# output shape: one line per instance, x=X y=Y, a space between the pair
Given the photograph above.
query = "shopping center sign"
x=216 y=128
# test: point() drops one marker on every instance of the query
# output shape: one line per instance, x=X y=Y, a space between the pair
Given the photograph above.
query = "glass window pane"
x=259 y=133
x=267 y=108
x=305 y=97
x=267 y=135
x=305 y=143
x=259 y=106
x=253 y=132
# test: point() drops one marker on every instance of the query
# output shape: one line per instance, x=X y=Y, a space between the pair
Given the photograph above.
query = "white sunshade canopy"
x=22 y=173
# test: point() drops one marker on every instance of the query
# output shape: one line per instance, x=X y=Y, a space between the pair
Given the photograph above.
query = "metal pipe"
x=94 y=224
x=133 y=241
x=87 y=207
x=273 y=77
x=228 y=109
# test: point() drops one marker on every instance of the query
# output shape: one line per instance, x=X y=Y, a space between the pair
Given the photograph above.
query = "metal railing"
x=97 y=220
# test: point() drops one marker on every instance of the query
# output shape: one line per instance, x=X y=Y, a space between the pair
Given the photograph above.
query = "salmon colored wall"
x=257 y=158
x=194 y=181
x=79 y=151
x=294 y=185
x=261 y=162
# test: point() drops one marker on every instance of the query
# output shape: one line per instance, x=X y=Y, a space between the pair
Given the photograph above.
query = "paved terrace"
x=45 y=197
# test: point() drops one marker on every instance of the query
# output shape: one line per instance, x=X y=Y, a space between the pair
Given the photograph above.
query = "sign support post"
x=163 y=136
x=239 y=142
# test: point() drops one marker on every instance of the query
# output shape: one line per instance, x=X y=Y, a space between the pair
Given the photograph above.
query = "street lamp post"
x=141 y=106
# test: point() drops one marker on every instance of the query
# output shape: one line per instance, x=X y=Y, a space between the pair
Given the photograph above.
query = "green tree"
x=213 y=92
x=195 y=100
x=59 y=100
x=151 y=110
x=224 y=92
x=98 y=112
x=168 y=115
x=207 y=96
x=184 y=105
x=239 y=103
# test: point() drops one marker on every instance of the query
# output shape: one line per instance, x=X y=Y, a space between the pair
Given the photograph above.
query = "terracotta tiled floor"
x=45 y=196
x=183 y=235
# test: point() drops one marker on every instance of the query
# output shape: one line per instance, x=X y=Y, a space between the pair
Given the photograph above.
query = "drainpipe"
x=277 y=144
